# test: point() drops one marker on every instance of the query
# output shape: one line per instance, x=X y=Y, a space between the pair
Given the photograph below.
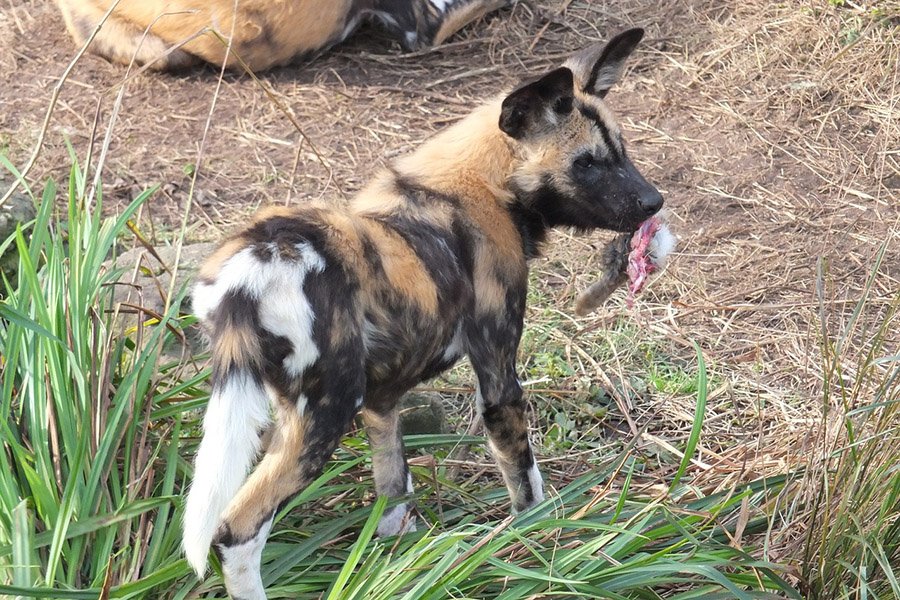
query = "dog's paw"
x=397 y=520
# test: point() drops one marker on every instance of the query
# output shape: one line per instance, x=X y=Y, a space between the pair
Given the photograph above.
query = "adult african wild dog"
x=317 y=312
x=267 y=33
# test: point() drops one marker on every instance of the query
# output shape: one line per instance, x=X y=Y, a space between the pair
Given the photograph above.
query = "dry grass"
x=772 y=129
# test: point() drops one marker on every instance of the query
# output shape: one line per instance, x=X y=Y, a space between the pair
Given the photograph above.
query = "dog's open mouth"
x=632 y=258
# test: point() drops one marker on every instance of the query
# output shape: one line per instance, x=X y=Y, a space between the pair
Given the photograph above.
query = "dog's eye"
x=586 y=161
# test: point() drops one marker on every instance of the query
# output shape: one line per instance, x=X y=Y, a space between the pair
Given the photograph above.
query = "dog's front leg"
x=503 y=412
x=502 y=407
x=392 y=476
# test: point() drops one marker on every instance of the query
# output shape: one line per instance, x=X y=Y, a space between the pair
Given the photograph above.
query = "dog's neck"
x=471 y=159
x=472 y=162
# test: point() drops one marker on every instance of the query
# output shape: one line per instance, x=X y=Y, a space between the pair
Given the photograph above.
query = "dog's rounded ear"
x=537 y=106
x=599 y=67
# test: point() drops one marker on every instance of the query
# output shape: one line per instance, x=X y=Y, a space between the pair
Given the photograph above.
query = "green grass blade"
x=699 y=413
x=359 y=547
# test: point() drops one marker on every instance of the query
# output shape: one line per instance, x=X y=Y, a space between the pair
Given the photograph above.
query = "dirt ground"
x=771 y=128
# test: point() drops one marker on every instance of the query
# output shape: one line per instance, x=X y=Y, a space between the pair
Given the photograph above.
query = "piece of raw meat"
x=630 y=257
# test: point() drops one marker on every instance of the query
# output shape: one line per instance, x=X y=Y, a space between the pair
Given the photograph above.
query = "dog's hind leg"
x=300 y=314
x=304 y=436
x=248 y=519
x=392 y=476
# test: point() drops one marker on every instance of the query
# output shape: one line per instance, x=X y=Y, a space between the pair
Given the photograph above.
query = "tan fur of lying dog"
x=174 y=34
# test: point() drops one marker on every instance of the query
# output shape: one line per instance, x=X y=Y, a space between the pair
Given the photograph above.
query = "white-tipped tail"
x=238 y=411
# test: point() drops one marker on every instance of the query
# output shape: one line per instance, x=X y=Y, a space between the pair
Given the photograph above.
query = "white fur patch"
x=456 y=347
x=238 y=410
x=236 y=272
x=284 y=309
x=278 y=286
x=350 y=27
x=302 y=401
x=244 y=271
x=537 y=484
x=551 y=116
x=662 y=244
x=395 y=520
x=240 y=566
x=385 y=17
x=442 y=5
x=479 y=401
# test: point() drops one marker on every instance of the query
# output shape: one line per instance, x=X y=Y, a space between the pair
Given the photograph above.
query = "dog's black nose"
x=650 y=201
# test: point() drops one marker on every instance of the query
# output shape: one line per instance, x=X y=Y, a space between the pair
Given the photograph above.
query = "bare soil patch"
x=772 y=130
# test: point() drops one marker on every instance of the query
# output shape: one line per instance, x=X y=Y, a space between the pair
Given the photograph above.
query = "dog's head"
x=575 y=171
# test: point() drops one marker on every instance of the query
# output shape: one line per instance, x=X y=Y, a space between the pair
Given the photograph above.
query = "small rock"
x=423 y=413
x=18 y=209
x=145 y=283
x=146 y=279
x=892 y=182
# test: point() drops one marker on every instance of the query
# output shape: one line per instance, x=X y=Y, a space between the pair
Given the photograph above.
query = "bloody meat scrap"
x=630 y=257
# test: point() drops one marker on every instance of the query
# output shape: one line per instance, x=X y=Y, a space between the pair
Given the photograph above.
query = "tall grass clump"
x=98 y=429
x=89 y=473
x=851 y=548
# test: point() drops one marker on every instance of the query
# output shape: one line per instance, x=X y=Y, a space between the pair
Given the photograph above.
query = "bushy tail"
x=238 y=411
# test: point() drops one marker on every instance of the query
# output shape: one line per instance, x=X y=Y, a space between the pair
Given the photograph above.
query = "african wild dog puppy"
x=317 y=312
x=267 y=33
